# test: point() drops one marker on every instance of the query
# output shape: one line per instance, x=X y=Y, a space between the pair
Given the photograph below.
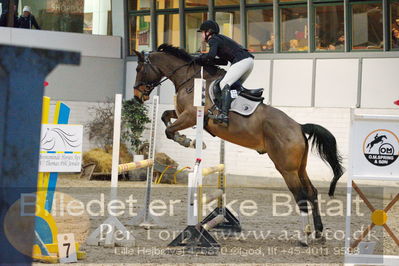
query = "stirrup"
x=222 y=119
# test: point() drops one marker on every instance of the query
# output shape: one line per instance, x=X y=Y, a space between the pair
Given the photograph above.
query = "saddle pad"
x=240 y=105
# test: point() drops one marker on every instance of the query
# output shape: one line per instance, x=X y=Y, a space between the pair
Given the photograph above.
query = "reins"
x=168 y=76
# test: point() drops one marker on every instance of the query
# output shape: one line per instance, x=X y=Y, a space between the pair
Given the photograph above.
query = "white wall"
x=95 y=80
x=261 y=69
x=130 y=78
x=336 y=82
x=380 y=82
x=292 y=82
x=88 y=45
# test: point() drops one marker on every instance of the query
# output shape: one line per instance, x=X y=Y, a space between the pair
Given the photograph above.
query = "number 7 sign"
x=66 y=248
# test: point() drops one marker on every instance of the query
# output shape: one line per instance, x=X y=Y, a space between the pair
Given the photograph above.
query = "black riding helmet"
x=210 y=26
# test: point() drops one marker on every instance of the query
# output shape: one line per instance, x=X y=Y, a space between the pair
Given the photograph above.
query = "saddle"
x=245 y=103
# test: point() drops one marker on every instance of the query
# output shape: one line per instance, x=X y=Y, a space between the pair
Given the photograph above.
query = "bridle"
x=149 y=86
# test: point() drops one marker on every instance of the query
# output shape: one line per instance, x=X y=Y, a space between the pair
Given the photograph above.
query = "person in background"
x=4 y=18
x=293 y=45
x=27 y=20
x=339 y=45
x=269 y=44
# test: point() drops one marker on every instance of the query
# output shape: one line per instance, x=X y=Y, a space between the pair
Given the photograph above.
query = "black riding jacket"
x=226 y=49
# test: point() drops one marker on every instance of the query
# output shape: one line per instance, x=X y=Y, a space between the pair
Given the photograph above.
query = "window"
x=163 y=4
x=193 y=38
x=226 y=2
x=229 y=23
x=294 y=29
x=259 y=1
x=364 y=29
x=138 y=4
x=139 y=33
x=168 y=29
x=367 y=30
x=329 y=28
x=260 y=30
x=196 y=3
x=80 y=16
x=285 y=1
x=395 y=25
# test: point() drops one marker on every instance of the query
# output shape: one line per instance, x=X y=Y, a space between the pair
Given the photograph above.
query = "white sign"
x=373 y=155
x=375 y=148
x=66 y=248
x=61 y=148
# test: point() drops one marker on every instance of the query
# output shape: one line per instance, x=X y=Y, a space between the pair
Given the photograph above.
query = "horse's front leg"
x=185 y=120
x=167 y=117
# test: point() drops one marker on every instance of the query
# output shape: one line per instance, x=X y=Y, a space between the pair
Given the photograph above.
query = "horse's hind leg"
x=312 y=197
x=311 y=192
x=300 y=194
x=287 y=157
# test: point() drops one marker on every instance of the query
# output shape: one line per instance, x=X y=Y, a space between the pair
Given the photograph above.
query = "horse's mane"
x=183 y=55
x=175 y=51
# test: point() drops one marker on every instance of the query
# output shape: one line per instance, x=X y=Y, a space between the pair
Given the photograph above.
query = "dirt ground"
x=267 y=236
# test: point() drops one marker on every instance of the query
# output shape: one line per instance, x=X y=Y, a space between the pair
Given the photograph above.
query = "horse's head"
x=147 y=78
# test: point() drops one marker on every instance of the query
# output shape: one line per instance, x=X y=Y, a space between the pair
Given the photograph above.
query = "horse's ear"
x=139 y=55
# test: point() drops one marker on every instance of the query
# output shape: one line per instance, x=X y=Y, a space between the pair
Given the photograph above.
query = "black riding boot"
x=223 y=116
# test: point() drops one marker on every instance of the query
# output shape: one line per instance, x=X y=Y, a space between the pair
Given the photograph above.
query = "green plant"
x=134 y=117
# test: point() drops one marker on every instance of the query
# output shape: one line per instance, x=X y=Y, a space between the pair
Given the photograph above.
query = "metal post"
x=311 y=45
x=211 y=10
x=153 y=25
x=276 y=19
x=346 y=26
x=243 y=23
x=386 y=25
x=182 y=23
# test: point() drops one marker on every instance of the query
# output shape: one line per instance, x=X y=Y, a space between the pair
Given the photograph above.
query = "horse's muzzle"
x=138 y=99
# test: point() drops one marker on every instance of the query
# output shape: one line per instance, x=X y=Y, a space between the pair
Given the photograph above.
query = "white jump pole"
x=195 y=235
x=145 y=218
x=195 y=179
x=112 y=225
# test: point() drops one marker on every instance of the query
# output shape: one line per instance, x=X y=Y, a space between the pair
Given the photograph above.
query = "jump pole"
x=112 y=224
x=145 y=218
x=195 y=235
x=230 y=223
x=46 y=230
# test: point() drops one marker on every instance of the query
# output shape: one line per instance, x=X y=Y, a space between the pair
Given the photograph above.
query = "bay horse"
x=267 y=130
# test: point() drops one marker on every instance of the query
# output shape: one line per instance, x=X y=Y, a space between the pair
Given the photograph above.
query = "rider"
x=226 y=49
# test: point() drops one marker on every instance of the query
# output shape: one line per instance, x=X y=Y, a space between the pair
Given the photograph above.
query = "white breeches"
x=238 y=71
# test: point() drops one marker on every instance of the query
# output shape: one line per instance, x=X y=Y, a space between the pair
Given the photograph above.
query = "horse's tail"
x=326 y=146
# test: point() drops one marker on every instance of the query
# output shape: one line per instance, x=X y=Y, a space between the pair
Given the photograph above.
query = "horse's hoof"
x=303 y=243
x=193 y=145
x=320 y=240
